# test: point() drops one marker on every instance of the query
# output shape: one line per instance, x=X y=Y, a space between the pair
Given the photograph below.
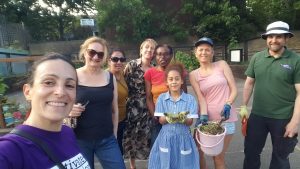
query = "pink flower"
x=17 y=115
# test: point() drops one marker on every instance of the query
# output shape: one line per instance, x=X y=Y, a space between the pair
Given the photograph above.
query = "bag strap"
x=40 y=144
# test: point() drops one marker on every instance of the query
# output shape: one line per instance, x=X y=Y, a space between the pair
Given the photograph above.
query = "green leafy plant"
x=188 y=60
x=3 y=88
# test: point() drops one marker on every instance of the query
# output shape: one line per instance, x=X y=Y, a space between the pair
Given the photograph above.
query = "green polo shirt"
x=275 y=78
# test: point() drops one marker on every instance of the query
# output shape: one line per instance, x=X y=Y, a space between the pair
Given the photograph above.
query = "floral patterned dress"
x=137 y=132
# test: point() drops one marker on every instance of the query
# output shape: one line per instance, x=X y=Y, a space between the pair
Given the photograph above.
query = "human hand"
x=202 y=120
x=78 y=109
x=226 y=111
x=291 y=130
x=182 y=116
x=243 y=112
x=171 y=117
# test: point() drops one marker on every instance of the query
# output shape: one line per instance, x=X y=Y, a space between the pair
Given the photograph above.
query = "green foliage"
x=128 y=20
x=225 y=21
x=179 y=33
x=188 y=60
x=266 y=11
x=3 y=86
x=216 y=19
x=51 y=21
x=78 y=64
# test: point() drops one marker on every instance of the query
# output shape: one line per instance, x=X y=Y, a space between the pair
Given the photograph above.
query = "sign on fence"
x=87 y=22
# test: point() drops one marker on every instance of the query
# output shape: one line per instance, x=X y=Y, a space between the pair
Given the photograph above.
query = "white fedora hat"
x=277 y=27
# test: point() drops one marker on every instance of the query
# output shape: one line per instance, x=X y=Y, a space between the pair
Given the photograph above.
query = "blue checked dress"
x=174 y=147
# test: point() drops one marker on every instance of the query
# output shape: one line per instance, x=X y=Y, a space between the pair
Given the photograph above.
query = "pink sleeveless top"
x=216 y=91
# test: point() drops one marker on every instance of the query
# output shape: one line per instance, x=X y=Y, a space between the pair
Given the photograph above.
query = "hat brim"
x=276 y=32
x=203 y=42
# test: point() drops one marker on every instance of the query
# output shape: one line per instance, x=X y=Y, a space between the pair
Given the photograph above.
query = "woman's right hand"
x=77 y=110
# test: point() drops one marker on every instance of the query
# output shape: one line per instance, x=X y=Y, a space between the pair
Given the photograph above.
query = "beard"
x=276 y=48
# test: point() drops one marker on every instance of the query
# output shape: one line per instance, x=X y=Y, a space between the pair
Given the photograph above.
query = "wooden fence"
x=20 y=59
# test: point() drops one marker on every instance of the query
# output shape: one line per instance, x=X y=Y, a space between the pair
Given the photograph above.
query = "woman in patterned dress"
x=137 y=132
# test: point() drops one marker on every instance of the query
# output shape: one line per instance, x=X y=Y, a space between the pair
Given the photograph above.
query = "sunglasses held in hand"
x=72 y=121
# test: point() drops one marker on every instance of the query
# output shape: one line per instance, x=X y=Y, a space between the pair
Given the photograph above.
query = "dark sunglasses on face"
x=116 y=59
x=92 y=53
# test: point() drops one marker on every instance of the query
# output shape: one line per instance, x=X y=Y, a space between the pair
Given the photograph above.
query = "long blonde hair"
x=90 y=40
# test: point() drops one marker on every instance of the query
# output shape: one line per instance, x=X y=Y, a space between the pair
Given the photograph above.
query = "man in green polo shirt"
x=273 y=76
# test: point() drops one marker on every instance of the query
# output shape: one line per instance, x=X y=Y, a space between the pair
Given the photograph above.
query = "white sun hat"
x=277 y=27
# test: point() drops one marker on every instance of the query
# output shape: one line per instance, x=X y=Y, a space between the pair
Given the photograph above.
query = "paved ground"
x=235 y=155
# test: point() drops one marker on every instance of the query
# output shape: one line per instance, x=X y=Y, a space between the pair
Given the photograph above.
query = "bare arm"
x=149 y=98
x=115 y=109
x=293 y=125
x=200 y=97
x=248 y=89
x=231 y=82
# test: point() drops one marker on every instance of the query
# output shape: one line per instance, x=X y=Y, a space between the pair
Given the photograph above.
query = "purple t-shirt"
x=19 y=153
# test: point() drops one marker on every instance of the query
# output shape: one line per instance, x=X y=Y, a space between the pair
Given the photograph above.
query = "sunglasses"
x=92 y=53
x=117 y=59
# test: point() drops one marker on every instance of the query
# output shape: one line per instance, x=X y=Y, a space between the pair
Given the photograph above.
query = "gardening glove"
x=171 y=117
x=202 y=120
x=243 y=112
x=182 y=116
x=226 y=111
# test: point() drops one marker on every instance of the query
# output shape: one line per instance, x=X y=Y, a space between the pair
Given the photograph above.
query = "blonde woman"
x=216 y=91
x=98 y=120
x=137 y=132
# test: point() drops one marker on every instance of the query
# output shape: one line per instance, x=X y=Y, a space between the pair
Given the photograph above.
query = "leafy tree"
x=266 y=11
x=46 y=19
x=62 y=12
x=16 y=10
x=128 y=20
x=217 y=19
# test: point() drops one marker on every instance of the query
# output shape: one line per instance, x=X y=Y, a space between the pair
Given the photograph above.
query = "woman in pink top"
x=216 y=90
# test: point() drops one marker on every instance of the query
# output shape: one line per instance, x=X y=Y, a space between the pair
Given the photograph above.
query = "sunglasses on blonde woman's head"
x=92 y=53
x=116 y=59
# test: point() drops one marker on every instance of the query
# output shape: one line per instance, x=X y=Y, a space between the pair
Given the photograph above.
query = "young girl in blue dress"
x=174 y=147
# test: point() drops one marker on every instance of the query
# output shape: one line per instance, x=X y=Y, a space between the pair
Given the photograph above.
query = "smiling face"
x=116 y=61
x=147 y=50
x=174 y=81
x=276 y=43
x=93 y=55
x=163 y=56
x=204 y=53
x=53 y=91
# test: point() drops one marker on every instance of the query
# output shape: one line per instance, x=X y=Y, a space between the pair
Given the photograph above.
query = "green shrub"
x=189 y=60
x=3 y=86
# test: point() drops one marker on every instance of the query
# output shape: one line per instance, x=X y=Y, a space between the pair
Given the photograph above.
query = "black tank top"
x=96 y=121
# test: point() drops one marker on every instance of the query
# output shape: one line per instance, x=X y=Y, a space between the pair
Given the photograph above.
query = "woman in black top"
x=98 y=120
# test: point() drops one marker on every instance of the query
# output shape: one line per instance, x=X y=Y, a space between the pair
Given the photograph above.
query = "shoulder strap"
x=39 y=143
x=111 y=80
